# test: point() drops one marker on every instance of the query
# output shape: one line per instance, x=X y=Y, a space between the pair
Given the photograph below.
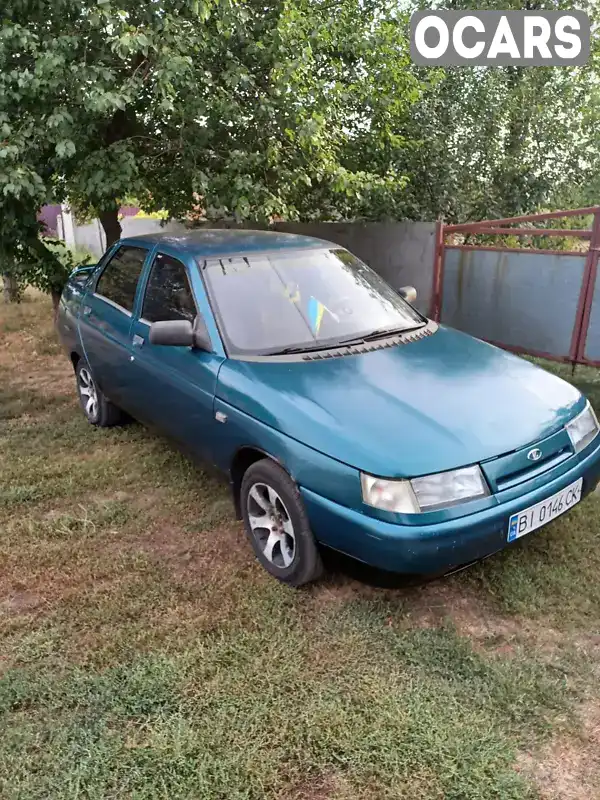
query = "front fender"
x=309 y=468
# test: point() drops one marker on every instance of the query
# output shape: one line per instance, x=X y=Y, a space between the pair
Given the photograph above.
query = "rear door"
x=106 y=316
x=173 y=387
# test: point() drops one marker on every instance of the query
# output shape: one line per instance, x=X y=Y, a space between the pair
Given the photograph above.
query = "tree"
x=283 y=92
x=84 y=84
x=500 y=141
x=249 y=110
x=22 y=192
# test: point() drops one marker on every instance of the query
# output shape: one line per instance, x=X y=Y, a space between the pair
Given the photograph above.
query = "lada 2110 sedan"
x=341 y=415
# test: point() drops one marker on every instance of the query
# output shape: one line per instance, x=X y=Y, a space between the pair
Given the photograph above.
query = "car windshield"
x=302 y=299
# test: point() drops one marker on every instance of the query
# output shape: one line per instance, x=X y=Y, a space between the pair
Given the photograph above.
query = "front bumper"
x=438 y=547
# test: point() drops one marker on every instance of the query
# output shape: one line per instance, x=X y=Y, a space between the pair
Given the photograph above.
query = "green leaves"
x=131 y=41
x=59 y=117
x=245 y=110
x=500 y=141
x=65 y=148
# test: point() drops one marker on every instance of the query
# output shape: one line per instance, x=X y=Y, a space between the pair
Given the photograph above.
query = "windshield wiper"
x=306 y=348
x=381 y=332
x=376 y=334
x=310 y=348
x=354 y=340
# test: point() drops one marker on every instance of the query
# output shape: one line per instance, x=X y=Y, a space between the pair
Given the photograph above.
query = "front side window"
x=168 y=293
x=119 y=278
x=302 y=299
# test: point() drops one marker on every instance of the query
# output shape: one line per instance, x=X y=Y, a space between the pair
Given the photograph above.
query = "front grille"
x=520 y=475
x=512 y=469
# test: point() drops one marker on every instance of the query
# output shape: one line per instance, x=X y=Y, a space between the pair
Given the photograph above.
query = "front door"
x=105 y=320
x=173 y=388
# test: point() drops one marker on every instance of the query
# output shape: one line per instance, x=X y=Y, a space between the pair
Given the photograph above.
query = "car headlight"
x=583 y=428
x=427 y=493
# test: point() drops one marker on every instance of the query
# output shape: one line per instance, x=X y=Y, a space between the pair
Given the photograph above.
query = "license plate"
x=535 y=516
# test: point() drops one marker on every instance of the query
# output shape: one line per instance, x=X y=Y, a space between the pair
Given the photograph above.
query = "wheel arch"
x=244 y=457
x=75 y=358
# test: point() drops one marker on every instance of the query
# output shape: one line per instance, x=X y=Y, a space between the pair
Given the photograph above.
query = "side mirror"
x=81 y=273
x=181 y=333
x=201 y=336
x=173 y=333
x=84 y=268
x=409 y=293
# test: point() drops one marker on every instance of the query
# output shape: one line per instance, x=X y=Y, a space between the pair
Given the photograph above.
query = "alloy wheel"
x=88 y=393
x=271 y=525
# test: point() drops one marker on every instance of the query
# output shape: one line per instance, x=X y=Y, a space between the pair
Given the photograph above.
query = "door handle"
x=87 y=310
x=138 y=341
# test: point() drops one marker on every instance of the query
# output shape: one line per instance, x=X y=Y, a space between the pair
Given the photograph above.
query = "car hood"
x=434 y=404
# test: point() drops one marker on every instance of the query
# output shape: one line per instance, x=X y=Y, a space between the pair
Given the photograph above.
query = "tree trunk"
x=112 y=227
x=11 y=288
x=55 y=295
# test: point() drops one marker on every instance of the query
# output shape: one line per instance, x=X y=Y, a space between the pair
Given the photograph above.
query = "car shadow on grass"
x=341 y=567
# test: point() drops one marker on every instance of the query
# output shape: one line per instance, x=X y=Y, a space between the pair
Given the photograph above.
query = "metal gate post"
x=438 y=270
x=584 y=306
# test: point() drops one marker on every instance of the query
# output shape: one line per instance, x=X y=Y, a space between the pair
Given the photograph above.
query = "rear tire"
x=277 y=525
x=98 y=410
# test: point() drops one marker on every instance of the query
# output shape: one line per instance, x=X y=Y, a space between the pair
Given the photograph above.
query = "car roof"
x=219 y=242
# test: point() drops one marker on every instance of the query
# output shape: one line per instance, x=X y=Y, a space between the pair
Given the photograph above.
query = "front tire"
x=98 y=410
x=277 y=525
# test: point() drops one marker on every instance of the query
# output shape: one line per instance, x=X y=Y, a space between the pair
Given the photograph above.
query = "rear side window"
x=119 y=279
x=168 y=293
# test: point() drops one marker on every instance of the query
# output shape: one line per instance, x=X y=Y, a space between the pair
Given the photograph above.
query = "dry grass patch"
x=332 y=786
x=569 y=767
x=432 y=605
x=319 y=788
x=198 y=557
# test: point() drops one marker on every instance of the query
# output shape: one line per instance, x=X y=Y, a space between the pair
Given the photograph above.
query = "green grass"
x=144 y=653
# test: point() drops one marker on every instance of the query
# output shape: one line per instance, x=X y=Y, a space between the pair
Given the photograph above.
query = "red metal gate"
x=586 y=312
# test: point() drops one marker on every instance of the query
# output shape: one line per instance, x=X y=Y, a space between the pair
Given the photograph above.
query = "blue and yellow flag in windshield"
x=316 y=309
